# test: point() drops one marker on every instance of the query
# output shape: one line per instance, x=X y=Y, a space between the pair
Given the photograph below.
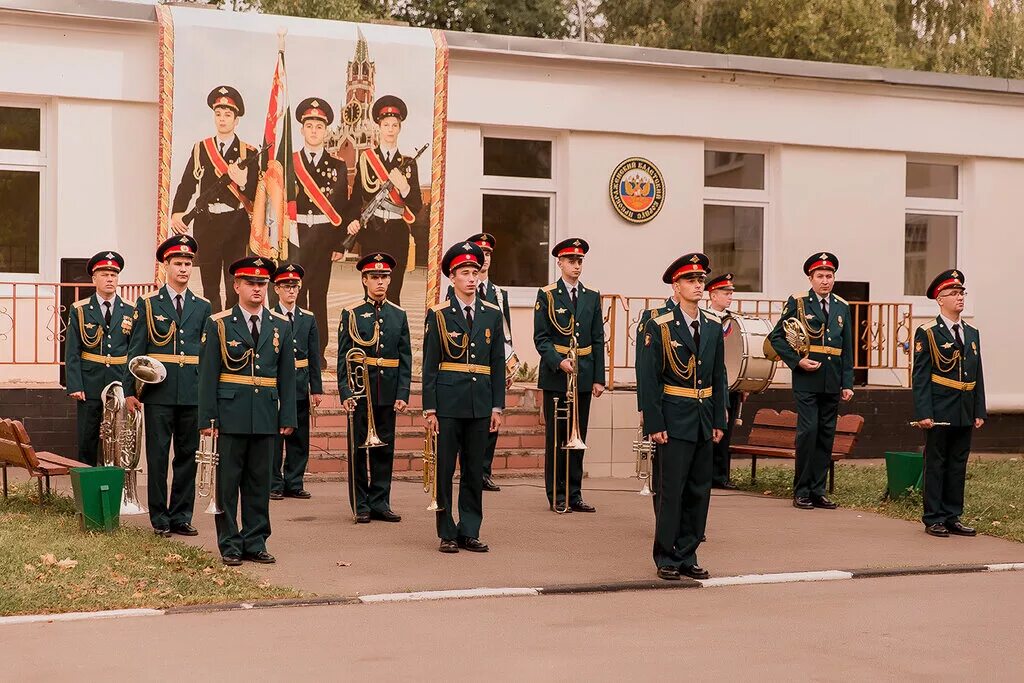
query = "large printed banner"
x=296 y=139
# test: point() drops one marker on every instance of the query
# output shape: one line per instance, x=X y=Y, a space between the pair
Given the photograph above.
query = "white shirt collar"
x=388 y=151
x=462 y=305
x=227 y=142
x=315 y=152
x=112 y=300
x=171 y=293
x=690 y=320
x=949 y=323
x=568 y=287
x=286 y=311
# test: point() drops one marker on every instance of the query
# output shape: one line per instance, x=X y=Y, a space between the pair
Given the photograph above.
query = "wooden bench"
x=16 y=451
x=773 y=435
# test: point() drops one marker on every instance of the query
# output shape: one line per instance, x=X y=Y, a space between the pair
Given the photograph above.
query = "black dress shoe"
x=803 y=503
x=231 y=560
x=301 y=493
x=363 y=518
x=958 y=529
x=694 y=571
x=276 y=495
x=386 y=516
x=728 y=486
x=262 y=557
x=703 y=538
x=489 y=485
x=668 y=573
x=185 y=529
x=937 y=530
x=823 y=502
x=448 y=546
x=581 y=506
x=561 y=507
x=162 y=531
x=473 y=545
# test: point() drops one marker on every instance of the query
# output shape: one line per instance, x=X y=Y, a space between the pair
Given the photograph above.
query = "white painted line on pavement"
x=448 y=594
x=79 y=616
x=783 y=577
x=1005 y=567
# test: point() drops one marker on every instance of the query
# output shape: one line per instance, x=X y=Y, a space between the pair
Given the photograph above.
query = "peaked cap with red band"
x=389 y=105
x=694 y=262
x=823 y=259
x=314 y=108
x=288 y=272
x=105 y=260
x=253 y=268
x=179 y=245
x=573 y=246
x=947 y=279
x=377 y=262
x=226 y=96
x=461 y=254
x=723 y=281
x=484 y=240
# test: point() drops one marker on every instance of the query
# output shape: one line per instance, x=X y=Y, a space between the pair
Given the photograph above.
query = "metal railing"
x=883 y=332
x=34 y=316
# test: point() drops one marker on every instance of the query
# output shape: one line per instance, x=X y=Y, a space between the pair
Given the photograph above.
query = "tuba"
x=569 y=414
x=207 y=459
x=644 y=449
x=430 y=468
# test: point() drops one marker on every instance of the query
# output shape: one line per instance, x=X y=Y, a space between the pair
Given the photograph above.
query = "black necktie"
x=291 y=318
x=483 y=290
x=222 y=145
x=824 y=307
x=573 y=297
x=469 y=316
x=311 y=163
x=696 y=334
x=177 y=305
x=106 y=313
x=254 y=330
x=959 y=339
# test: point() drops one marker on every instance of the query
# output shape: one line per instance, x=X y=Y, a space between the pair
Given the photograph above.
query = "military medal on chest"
x=277 y=341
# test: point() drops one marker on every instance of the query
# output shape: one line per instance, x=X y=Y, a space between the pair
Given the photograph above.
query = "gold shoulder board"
x=799 y=295
x=839 y=298
x=711 y=314
x=548 y=288
x=928 y=325
x=81 y=302
x=306 y=312
x=488 y=304
x=665 y=319
x=201 y=298
x=279 y=316
x=395 y=305
x=439 y=306
x=150 y=295
x=222 y=314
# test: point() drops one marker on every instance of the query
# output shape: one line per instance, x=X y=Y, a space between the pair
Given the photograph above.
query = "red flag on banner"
x=273 y=215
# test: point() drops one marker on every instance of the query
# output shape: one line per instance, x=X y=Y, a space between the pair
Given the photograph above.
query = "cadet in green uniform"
x=564 y=308
x=169 y=322
x=96 y=352
x=820 y=378
x=289 y=471
x=380 y=329
x=247 y=388
x=488 y=291
x=463 y=393
x=683 y=375
x=720 y=290
x=949 y=388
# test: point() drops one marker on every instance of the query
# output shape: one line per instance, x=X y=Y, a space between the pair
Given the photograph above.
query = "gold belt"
x=301 y=363
x=250 y=381
x=171 y=358
x=382 y=362
x=830 y=350
x=688 y=393
x=581 y=351
x=471 y=368
x=953 y=384
x=106 y=360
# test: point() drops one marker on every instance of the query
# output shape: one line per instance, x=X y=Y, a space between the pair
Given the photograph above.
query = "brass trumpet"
x=430 y=468
x=207 y=459
x=569 y=414
x=644 y=449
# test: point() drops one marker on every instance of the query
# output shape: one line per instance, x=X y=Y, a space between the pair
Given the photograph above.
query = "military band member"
x=387 y=230
x=247 y=388
x=488 y=291
x=463 y=393
x=567 y=308
x=380 y=329
x=290 y=469
x=948 y=387
x=96 y=352
x=720 y=291
x=669 y=304
x=223 y=227
x=820 y=379
x=168 y=325
x=683 y=375
x=321 y=205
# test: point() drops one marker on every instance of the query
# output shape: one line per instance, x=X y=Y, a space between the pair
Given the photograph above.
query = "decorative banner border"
x=165 y=33
x=437 y=168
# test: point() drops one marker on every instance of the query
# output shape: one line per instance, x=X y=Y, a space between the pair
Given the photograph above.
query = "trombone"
x=358 y=375
x=644 y=449
x=569 y=414
x=430 y=468
x=207 y=459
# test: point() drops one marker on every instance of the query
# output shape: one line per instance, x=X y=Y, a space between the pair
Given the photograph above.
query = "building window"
x=735 y=199
x=22 y=167
x=932 y=225
x=519 y=196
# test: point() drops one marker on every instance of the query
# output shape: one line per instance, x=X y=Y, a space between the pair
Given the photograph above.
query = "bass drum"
x=745 y=363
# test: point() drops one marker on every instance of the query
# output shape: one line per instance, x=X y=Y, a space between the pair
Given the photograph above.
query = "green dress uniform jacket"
x=306 y=344
x=552 y=316
x=641 y=326
x=832 y=346
x=94 y=356
x=391 y=377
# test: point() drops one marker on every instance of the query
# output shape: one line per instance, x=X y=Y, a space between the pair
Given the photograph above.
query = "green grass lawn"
x=993 y=502
x=47 y=564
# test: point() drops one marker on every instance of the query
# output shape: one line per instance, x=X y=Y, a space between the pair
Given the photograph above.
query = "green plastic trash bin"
x=904 y=471
x=98 y=496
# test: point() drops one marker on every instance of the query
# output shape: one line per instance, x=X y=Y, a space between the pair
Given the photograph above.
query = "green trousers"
x=90 y=414
x=371 y=467
x=291 y=454
x=683 y=485
x=815 y=435
x=163 y=423
x=945 y=469
x=244 y=468
x=467 y=437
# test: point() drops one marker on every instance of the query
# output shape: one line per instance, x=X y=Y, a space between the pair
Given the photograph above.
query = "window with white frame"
x=22 y=169
x=518 y=207
x=735 y=204
x=932 y=226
